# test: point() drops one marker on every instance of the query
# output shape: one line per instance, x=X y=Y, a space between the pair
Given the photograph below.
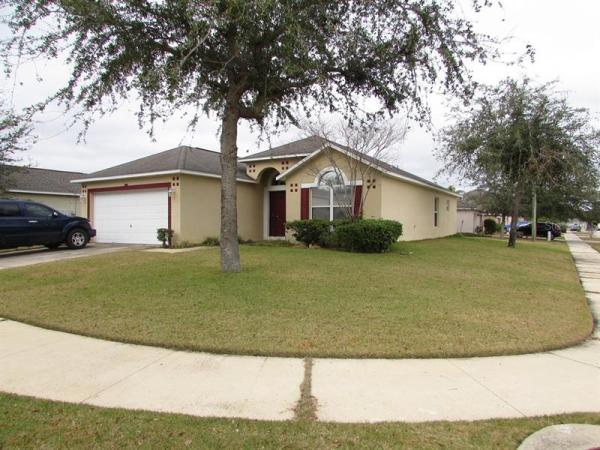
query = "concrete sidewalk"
x=61 y=366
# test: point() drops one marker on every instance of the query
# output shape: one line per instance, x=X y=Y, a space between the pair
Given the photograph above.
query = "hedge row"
x=365 y=235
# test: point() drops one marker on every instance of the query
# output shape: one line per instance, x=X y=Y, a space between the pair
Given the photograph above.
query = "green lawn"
x=37 y=424
x=437 y=298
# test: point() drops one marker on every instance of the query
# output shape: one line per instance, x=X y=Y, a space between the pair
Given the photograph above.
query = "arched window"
x=331 y=177
x=331 y=199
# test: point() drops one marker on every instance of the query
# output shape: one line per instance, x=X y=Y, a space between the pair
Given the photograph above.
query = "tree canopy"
x=523 y=137
x=254 y=60
x=15 y=134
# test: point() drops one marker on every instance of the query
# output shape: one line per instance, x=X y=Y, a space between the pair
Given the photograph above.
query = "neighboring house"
x=470 y=220
x=471 y=215
x=180 y=189
x=50 y=187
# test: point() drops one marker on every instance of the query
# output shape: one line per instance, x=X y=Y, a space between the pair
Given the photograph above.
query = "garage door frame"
x=127 y=187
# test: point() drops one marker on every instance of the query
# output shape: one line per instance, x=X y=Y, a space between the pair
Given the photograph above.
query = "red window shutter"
x=357 y=210
x=304 y=203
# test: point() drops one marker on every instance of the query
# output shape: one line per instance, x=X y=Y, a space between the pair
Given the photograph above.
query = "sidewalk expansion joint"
x=488 y=389
x=95 y=394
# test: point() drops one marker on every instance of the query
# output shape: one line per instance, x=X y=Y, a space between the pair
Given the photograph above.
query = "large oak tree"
x=248 y=59
x=523 y=137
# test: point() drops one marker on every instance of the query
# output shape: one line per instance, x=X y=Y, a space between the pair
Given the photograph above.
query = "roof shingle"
x=179 y=158
x=302 y=147
x=311 y=144
x=41 y=180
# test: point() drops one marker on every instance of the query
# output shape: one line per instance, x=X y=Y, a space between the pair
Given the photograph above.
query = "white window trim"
x=436 y=212
x=331 y=205
x=316 y=184
x=331 y=169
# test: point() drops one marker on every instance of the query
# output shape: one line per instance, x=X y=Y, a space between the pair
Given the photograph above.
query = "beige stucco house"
x=471 y=214
x=309 y=178
x=50 y=187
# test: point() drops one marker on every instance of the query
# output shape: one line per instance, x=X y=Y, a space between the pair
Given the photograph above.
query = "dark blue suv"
x=27 y=223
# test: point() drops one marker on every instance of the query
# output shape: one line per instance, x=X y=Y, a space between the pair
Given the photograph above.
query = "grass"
x=438 y=298
x=585 y=235
x=38 y=424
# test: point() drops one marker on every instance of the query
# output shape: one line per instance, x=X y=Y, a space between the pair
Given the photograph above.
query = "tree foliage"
x=358 y=150
x=15 y=135
x=522 y=137
x=253 y=60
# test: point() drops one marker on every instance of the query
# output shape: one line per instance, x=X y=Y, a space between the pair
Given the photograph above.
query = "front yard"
x=437 y=298
x=30 y=423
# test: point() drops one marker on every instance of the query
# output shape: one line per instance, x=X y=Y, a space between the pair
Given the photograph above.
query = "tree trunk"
x=230 y=251
x=512 y=239
x=503 y=223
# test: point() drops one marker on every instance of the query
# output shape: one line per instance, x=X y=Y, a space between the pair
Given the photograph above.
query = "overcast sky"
x=565 y=35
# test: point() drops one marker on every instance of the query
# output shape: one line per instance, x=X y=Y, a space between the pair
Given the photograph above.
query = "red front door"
x=277 y=213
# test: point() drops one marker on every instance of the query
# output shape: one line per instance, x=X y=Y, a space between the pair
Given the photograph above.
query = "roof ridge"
x=182 y=157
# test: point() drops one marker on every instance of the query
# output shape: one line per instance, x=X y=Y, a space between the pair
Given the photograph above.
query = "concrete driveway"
x=38 y=255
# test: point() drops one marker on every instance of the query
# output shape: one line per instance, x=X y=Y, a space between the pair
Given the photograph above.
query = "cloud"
x=564 y=35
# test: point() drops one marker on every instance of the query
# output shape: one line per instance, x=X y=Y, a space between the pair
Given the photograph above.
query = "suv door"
x=11 y=225
x=44 y=224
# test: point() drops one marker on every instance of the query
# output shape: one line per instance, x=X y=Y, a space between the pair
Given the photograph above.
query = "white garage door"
x=130 y=217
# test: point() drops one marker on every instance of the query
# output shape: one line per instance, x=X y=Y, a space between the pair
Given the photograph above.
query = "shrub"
x=490 y=226
x=368 y=235
x=186 y=244
x=273 y=243
x=165 y=236
x=211 y=242
x=329 y=239
x=308 y=231
x=563 y=227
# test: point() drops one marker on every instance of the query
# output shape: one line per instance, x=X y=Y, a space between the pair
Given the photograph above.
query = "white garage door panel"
x=130 y=217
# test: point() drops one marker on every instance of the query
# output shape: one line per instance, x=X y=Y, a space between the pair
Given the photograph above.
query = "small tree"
x=165 y=236
x=489 y=226
x=251 y=60
x=365 y=146
x=15 y=135
x=523 y=137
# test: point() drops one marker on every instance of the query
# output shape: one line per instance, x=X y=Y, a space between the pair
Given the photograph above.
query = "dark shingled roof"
x=313 y=143
x=301 y=147
x=179 y=158
x=41 y=180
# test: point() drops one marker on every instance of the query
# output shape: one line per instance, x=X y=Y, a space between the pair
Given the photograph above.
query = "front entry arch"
x=274 y=205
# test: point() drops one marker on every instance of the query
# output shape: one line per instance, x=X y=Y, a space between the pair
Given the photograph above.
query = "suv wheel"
x=77 y=239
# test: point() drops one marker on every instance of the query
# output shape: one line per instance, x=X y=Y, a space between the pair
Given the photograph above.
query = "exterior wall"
x=309 y=172
x=64 y=203
x=87 y=198
x=256 y=169
x=468 y=221
x=200 y=201
x=413 y=206
x=195 y=205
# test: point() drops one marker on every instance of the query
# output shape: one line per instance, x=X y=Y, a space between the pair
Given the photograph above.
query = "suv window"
x=8 y=209
x=33 y=210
